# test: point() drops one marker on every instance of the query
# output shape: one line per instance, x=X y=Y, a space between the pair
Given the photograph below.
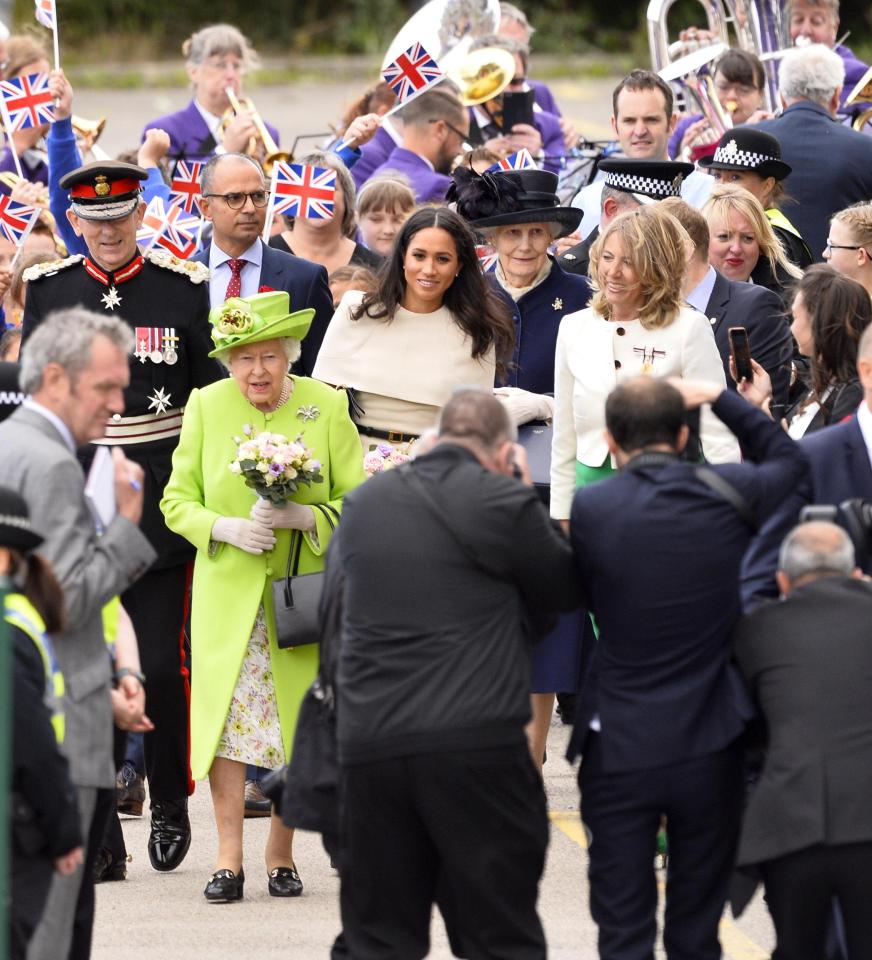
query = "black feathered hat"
x=506 y=197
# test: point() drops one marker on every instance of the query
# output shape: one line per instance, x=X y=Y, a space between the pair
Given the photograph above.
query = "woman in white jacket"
x=637 y=323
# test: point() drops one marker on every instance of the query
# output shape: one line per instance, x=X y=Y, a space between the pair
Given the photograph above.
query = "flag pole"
x=7 y=123
x=34 y=217
x=267 y=227
x=57 y=43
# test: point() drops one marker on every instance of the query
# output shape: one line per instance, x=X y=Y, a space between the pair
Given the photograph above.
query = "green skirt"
x=585 y=475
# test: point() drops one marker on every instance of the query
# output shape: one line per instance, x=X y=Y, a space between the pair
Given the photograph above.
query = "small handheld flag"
x=16 y=219
x=413 y=72
x=169 y=228
x=300 y=190
x=28 y=101
x=522 y=160
x=185 y=187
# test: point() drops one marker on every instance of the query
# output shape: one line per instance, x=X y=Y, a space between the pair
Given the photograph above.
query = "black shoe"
x=224 y=886
x=170 y=835
x=130 y=791
x=108 y=867
x=284 y=882
x=256 y=804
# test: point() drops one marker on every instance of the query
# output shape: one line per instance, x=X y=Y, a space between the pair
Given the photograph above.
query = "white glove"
x=292 y=516
x=248 y=535
x=523 y=406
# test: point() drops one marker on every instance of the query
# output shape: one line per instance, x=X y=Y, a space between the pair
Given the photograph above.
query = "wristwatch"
x=127 y=672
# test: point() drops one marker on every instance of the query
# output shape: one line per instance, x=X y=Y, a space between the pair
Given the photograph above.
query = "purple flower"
x=276 y=469
x=385 y=449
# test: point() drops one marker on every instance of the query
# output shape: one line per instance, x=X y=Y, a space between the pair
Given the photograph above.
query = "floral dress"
x=252 y=733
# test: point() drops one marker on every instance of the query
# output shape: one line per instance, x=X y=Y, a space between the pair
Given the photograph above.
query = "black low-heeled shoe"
x=284 y=882
x=224 y=886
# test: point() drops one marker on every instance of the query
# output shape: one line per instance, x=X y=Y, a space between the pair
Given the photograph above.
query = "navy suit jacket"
x=840 y=467
x=736 y=304
x=537 y=315
x=658 y=554
x=306 y=284
x=190 y=138
x=832 y=168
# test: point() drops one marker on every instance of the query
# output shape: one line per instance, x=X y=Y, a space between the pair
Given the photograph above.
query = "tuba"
x=482 y=75
x=87 y=134
x=758 y=26
x=261 y=147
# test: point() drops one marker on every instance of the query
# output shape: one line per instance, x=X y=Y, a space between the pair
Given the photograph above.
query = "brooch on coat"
x=308 y=412
x=558 y=304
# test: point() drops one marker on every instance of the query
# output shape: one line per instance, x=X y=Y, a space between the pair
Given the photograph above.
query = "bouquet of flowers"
x=273 y=466
x=383 y=457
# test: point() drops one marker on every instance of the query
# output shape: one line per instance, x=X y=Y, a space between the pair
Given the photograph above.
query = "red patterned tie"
x=234 y=288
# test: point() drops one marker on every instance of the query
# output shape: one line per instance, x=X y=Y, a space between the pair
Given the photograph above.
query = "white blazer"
x=593 y=356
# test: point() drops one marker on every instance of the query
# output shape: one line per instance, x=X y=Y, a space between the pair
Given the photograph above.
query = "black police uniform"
x=165 y=301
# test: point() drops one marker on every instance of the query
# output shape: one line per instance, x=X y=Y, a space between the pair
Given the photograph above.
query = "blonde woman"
x=637 y=267
x=743 y=245
x=849 y=244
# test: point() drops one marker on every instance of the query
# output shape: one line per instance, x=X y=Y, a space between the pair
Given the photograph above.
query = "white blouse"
x=593 y=356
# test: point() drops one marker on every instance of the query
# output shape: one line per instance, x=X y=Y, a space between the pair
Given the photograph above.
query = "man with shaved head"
x=808 y=823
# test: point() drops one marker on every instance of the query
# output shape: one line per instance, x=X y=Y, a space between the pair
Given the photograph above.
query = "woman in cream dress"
x=433 y=325
x=636 y=324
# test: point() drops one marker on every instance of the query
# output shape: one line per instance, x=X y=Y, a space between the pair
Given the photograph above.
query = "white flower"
x=235 y=468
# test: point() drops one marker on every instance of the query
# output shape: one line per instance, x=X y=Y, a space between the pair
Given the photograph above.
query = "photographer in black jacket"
x=446 y=561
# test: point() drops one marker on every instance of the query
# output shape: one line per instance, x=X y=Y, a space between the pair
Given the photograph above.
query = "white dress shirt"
x=220 y=272
x=213 y=122
x=593 y=356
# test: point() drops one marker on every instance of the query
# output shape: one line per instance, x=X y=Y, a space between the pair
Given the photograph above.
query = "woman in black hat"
x=519 y=214
x=45 y=823
x=751 y=159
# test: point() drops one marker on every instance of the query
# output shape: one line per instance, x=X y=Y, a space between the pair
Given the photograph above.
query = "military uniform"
x=165 y=301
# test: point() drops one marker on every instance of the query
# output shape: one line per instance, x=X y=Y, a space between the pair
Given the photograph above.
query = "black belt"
x=392 y=436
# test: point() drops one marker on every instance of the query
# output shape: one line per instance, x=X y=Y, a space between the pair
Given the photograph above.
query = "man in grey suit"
x=74 y=372
x=808 y=824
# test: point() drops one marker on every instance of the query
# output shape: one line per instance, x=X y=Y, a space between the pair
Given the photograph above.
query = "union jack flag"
x=28 y=101
x=169 y=227
x=15 y=219
x=46 y=13
x=411 y=73
x=185 y=188
x=487 y=257
x=300 y=190
x=522 y=160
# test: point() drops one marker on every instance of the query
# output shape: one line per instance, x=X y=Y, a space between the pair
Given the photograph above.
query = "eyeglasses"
x=236 y=201
x=459 y=133
x=840 y=246
x=222 y=66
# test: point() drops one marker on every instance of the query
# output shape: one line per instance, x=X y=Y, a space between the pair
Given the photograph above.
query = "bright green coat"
x=229 y=584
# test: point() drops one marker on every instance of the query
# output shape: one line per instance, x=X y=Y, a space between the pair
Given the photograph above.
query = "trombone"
x=861 y=92
x=261 y=147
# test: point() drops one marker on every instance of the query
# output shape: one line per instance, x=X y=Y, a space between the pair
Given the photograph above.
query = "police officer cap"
x=15 y=529
x=648 y=180
x=104 y=190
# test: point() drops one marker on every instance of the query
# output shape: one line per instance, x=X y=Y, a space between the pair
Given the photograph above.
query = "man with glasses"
x=235 y=200
x=435 y=128
x=218 y=57
x=165 y=303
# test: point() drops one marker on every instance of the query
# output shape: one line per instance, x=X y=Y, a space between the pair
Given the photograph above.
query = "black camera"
x=854 y=515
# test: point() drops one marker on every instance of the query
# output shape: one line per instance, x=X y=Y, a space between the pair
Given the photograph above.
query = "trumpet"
x=862 y=91
x=87 y=133
x=261 y=147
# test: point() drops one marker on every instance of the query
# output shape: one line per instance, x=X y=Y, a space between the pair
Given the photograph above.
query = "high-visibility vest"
x=20 y=612
x=110 y=623
x=777 y=219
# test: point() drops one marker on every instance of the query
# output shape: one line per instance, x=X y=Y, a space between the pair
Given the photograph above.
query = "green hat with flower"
x=264 y=316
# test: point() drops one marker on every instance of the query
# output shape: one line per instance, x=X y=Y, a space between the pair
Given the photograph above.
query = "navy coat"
x=832 y=168
x=658 y=554
x=537 y=317
x=306 y=284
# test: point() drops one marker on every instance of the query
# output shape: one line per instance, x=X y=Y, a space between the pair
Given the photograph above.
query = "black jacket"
x=435 y=647
x=46 y=816
x=808 y=661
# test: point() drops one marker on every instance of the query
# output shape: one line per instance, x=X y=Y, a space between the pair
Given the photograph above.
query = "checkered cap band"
x=635 y=183
x=739 y=158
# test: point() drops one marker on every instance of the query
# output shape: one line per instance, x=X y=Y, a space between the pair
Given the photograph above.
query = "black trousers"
x=467 y=830
x=701 y=800
x=157 y=605
x=800 y=888
x=30 y=881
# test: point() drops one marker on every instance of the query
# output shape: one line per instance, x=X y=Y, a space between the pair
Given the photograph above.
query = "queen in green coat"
x=246 y=692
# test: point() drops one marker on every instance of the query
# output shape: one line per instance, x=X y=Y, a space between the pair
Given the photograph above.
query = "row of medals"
x=168 y=355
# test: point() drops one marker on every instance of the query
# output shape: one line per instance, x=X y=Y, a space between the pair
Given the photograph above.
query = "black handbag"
x=296 y=596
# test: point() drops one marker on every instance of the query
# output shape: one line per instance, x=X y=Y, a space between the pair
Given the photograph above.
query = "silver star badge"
x=111 y=299
x=159 y=401
x=558 y=303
